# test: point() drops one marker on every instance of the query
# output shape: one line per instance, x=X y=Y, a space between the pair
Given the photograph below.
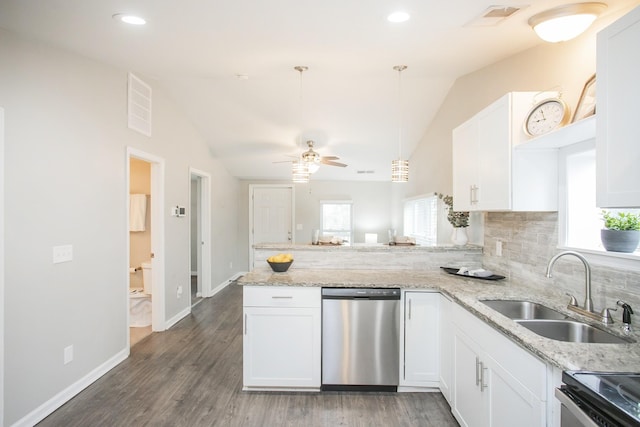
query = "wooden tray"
x=454 y=271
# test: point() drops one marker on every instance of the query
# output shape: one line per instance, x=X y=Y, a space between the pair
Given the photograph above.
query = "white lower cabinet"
x=281 y=337
x=446 y=348
x=421 y=339
x=495 y=382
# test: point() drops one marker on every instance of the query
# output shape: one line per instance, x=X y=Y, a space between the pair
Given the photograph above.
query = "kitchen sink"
x=524 y=310
x=571 y=331
x=552 y=324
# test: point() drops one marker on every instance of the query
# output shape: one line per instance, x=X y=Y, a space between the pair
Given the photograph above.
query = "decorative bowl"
x=280 y=267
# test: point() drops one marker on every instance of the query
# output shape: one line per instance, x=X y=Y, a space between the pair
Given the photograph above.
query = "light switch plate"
x=68 y=354
x=62 y=254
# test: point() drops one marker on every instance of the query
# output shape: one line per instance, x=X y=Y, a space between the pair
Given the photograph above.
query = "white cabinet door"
x=465 y=165
x=494 y=156
x=421 y=339
x=485 y=176
x=495 y=382
x=469 y=402
x=510 y=403
x=281 y=337
x=617 y=147
x=446 y=348
x=281 y=347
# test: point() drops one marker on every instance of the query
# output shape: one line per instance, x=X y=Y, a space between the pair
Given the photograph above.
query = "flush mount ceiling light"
x=399 y=16
x=399 y=167
x=129 y=19
x=566 y=22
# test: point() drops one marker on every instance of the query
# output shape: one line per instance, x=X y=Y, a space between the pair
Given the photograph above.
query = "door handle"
x=483 y=386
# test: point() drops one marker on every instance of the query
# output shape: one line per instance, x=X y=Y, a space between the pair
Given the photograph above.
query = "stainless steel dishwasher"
x=360 y=339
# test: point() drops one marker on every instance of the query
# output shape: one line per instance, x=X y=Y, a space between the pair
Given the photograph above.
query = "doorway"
x=200 y=257
x=145 y=177
x=271 y=215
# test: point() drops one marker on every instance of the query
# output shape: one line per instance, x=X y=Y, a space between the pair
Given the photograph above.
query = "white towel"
x=137 y=211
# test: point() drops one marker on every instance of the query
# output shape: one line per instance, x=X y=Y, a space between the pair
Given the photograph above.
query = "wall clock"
x=547 y=115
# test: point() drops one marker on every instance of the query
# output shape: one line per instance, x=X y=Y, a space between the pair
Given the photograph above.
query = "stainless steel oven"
x=599 y=399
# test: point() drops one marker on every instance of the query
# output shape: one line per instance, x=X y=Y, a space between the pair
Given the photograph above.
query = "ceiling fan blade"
x=330 y=163
x=329 y=158
x=283 y=161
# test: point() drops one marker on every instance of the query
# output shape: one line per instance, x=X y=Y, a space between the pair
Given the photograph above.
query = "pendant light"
x=399 y=167
x=300 y=168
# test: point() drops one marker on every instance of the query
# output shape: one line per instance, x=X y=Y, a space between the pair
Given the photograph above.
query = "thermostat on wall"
x=179 y=211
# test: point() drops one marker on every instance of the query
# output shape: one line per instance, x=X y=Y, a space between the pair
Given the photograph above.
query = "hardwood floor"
x=191 y=375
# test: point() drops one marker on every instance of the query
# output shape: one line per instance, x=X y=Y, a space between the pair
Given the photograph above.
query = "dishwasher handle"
x=361 y=293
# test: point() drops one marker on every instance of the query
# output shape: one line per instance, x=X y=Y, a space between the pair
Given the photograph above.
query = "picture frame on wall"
x=587 y=103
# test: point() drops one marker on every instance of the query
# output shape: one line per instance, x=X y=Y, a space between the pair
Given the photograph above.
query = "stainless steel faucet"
x=587 y=310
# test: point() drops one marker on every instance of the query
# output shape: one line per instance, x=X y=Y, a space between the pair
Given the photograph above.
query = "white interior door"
x=271 y=215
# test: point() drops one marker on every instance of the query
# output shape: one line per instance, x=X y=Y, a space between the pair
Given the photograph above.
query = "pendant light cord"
x=400 y=69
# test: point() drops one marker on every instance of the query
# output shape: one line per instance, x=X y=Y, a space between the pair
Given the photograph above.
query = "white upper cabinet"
x=489 y=175
x=618 y=110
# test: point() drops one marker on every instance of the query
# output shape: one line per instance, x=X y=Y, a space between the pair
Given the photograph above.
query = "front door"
x=271 y=215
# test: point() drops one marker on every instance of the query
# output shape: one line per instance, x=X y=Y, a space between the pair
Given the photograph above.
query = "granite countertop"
x=468 y=293
x=364 y=247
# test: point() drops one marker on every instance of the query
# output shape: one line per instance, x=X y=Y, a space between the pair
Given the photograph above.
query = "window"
x=336 y=219
x=582 y=218
x=421 y=219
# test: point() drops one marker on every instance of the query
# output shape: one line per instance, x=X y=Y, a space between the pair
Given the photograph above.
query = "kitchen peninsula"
x=518 y=368
x=370 y=256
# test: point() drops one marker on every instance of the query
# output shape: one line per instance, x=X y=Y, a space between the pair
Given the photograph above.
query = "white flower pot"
x=459 y=236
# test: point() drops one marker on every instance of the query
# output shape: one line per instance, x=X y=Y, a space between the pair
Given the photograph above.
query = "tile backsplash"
x=529 y=241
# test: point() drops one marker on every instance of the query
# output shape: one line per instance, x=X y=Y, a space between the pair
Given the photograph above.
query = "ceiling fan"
x=313 y=159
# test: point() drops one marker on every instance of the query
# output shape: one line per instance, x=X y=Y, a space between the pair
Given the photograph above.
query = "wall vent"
x=365 y=172
x=493 y=15
x=138 y=105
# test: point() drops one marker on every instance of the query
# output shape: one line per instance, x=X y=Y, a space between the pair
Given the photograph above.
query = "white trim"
x=204 y=221
x=48 y=407
x=226 y=283
x=157 y=237
x=178 y=317
x=2 y=284
x=618 y=260
x=252 y=187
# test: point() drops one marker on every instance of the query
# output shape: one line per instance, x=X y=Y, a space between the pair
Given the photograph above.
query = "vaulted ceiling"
x=230 y=66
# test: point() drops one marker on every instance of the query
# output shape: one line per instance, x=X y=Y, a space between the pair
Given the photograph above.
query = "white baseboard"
x=226 y=283
x=48 y=407
x=178 y=317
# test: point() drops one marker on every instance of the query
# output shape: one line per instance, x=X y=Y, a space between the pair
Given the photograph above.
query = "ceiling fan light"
x=313 y=167
x=300 y=171
x=565 y=22
x=400 y=170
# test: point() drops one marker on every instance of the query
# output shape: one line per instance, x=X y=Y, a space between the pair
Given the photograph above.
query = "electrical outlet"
x=62 y=254
x=179 y=291
x=498 y=247
x=68 y=354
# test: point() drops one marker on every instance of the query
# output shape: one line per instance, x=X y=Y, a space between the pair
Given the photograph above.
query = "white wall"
x=66 y=140
x=567 y=65
x=372 y=207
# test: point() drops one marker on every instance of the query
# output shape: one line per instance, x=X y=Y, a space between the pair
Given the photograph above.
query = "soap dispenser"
x=626 y=316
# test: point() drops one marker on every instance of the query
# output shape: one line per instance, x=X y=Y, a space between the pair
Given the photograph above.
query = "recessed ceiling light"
x=129 y=19
x=398 y=16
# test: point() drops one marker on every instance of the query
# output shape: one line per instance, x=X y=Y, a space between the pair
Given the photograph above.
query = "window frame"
x=337 y=202
x=627 y=261
x=425 y=241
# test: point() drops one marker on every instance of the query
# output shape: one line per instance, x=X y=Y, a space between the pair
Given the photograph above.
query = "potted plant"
x=459 y=221
x=621 y=232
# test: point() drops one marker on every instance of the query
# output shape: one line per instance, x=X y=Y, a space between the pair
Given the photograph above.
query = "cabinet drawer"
x=281 y=296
